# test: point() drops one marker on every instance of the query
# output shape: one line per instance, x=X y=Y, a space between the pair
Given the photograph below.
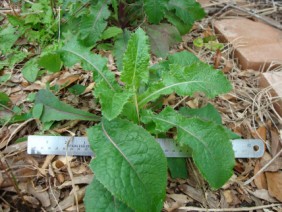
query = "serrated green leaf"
x=188 y=11
x=183 y=58
x=51 y=61
x=129 y=163
x=129 y=112
x=55 y=110
x=211 y=147
x=198 y=77
x=120 y=47
x=155 y=10
x=99 y=199
x=207 y=113
x=93 y=24
x=8 y=37
x=30 y=70
x=111 y=32
x=162 y=37
x=112 y=102
x=136 y=61
x=182 y=27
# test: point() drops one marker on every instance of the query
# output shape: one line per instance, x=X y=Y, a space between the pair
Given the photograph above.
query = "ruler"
x=79 y=146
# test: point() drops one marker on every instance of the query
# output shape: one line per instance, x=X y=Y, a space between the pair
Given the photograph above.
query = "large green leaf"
x=112 y=102
x=129 y=163
x=55 y=110
x=73 y=52
x=99 y=199
x=187 y=10
x=177 y=167
x=93 y=24
x=120 y=47
x=155 y=10
x=182 y=27
x=136 y=61
x=162 y=37
x=207 y=113
x=51 y=61
x=211 y=148
x=199 y=77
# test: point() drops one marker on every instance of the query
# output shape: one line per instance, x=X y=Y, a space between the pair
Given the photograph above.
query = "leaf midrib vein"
x=70 y=113
x=103 y=76
x=122 y=154
x=166 y=87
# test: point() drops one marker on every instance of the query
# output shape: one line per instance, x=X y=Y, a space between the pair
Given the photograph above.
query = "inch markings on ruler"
x=79 y=146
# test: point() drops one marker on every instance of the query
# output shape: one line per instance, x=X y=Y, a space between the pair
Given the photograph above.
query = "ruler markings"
x=79 y=146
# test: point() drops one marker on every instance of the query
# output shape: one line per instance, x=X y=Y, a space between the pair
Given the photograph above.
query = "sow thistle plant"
x=130 y=168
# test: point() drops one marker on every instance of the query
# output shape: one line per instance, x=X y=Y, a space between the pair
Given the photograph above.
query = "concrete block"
x=256 y=44
x=273 y=79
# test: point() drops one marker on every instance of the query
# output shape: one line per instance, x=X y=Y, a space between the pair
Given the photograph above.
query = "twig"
x=52 y=193
x=263 y=168
x=70 y=172
x=18 y=129
x=264 y=19
x=230 y=209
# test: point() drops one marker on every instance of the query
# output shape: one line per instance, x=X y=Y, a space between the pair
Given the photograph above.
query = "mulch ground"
x=57 y=183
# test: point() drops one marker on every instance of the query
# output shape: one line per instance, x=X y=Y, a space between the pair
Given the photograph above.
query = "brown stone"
x=256 y=44
x=273 y=79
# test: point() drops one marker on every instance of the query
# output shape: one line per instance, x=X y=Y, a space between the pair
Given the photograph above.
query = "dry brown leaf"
x=260 y=180
x=194 y=193
x=64 y=82
x=274 y=166
x=41 y=194
x=263 y=194
x=34 y=87
x=18 y=99
x=43 y=168
x=179 y=198
x=70 y=199
x=260 y=133
x=274 y=183
x=33 y=201
x=230 y=197
x=89 y=88
x=78 y=180
x=18 y=147
x=275 y=142
x=170 y=99
x=60 y=177
x=228 y=67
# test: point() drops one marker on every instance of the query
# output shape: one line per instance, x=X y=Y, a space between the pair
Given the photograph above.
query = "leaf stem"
x=135 y=99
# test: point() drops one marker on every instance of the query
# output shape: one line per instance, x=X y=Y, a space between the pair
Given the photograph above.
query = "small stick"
x=230 y=209
x=263 y=168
